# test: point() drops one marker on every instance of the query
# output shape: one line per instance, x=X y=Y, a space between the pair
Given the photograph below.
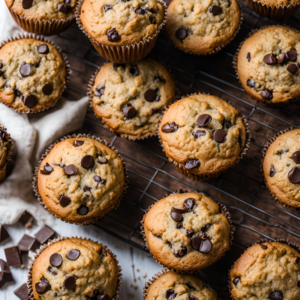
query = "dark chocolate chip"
x=272 y=172
x=219 y=135
x=172 y=296
x=70 y=283
x=134 y=70
x=227 y=124
x=251 y=82
x=296 y=157
x=50 y=270
x=87 y=162
x=113 y=35
x=43 y=49
x=190 y=232
x=168 y=128
x=169 y=292
x=189 y=203
x=292 y=68
x=27 y=4
x=297 y=259
x=181 y=33
x=180 y=210
x=42 y=287
x=25 y=69
x=99 y=179
x=215 y=10
x=179 y=225
x=44 y=235
x=292 y=55
x=282 y=58
x=3 y=234
x=47 y=89
x=18 y=93
x=236 y=280
x=87 y=188
x=22 y=292
x=152 y=19
x=139 y=10
x=99 y=91
x=55 y=260
x=63 y=8
x=263 y=246
x=47 y=169
x=176 y=217
x=30 y=101
x=102 y=297
x=83 y=210
x=192 y=163
x=199 y=133
x=107 y=7
x=101 y=159
x=191 y=297
x=78 y=143
x=64 y=201
x=150 y=95
x=196 y=242
x=70 y=170
x=155 y=110
x=205 y=246
x=62 y=165
x=267 y=94
x=182 y=252
x=129 y=111
x=248 y=56
x=73 y=254
x=294 y=175
x=204 y=120
x=276 y=296
x=270 y=59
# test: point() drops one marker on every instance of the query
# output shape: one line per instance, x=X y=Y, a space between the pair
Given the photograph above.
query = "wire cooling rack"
x=254 y=213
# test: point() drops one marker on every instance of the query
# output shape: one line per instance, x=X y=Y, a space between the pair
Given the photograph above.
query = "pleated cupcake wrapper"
x=128 y=136
x=216 y=49
x=235 y=66
x=126 y=53
x=43 y=27
x=9 y=154
x=64 y=57
x=224 y=210
x=273 y=11
x=39 y=251
x=35 y=178
x=180 y=167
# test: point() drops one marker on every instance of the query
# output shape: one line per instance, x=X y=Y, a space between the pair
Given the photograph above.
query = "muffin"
x=74 y=268
x=202 y=27
x=191 y=287
x=266 y=271
x=121 y=31
x=268 y=65
x=203 y=136
x=43 y=17
x=32 y=75
x=281 y=167
x=129 y=98
x=80 y=179
x=6 y=145
x=187 y=232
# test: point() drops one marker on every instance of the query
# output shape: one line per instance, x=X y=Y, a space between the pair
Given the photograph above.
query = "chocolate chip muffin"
x=32 y=75
x=129 y=98
x=80 y=179
x=187 y=231
x=171 y=285
x=203 y=136
x=74 y=269
x=5 y=151
x=281 y=167
x=268 y=65
x=266 y=271
x=202 y=27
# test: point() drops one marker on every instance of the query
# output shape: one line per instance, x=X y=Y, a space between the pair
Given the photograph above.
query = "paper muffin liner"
x=59 y=239
x=9 y=154
x=126 y=53
x=180 y=167
x=273 y=11
x=235 y=67
x=43 y=27
x=64 y=57
x=224 y=210
x=216 y=49
x=35 y=178
x=128 y=136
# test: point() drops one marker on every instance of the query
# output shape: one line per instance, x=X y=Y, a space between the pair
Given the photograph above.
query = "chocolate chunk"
x=70 y=283
x=87 y=162
x=47 y=89
x=5 y=277
x=267 y=94
x=26 y=219
x=249 y=56
x=180 y=210
x=263 y=246
x=219 y=135
x=276 y=296
x=70 y=170
x=205 y=246
x=292 y=68
x=176 y=217
x=215 y=10
x=191 y=297
x=204 y=120
x=292 y=55
x=25 y=69
x=296 y=157
x=43 y=286
x=181 y=33
x=4 y=236
x=182 y=252
x=113 y=35
x=102 y=297
x=64 y=201
x=272 y=172
x=55 y=260
x=43 y=49
x=13 y=256
x=44 y=235
x=190 y=232
x=152 y=19
x=99 y=91
x=30 y=101
x=168 y=128
x=26 y=243
x=99 y=179
x=107 y=7
x=47 y=169
x=53 y=272
x=129 y=111
x=5 y=267
x=189 y=203
x=199 y=133
x=270 y=59
x=251 y=82
x=63 y=8
x=179 y=225
x=27 y=4
x=196 y=242
x=192 y=163
x=282 y=58
x=134 y=70
x=83 y=210
x=150 y=95
x=236 y=280
x=101 y=159
x=22 y=292
x=73 y=254
x=169 y=292
x=139 y=10
x=172 y=296
x=78 y=143
x=294 y=175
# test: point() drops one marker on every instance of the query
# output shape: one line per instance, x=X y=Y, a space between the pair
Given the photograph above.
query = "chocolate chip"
x=26 y=243
x=155 y=110
x=199 y=133
x=25 y=69
x=99 y=179
x=180 y=210
x=44 y=235
x=30 y=101
x=101 y=159
x=236 y=280
x=215 y=10
x=168 y=128
x=190 y=232
x=298 y=283
x=152 y=19
x=47 y=169
x=87 y=162
x=70 y=170
x=102 y=297
x=282 y=58
x=64 y=201
x=22 y=292
x=292 y=68
x=78 y=143
x=227 y=124
x=204 y=120
x=113 y=35
x=179 y=225
x=47 y=89
x=294 y=175
x=150 y=95
x=18 y=93
x=134 y=70
x=63 y=8
x=176 y=216
x=42 y=287
x=27 y=4
x=55 y=260
x=263 y=246
x=205 y=246
x=129 y=111
x=139 y=10
x=267 y=94
x=276 y=296
x=87 y=188
x=83 y=210
x=219 y=135
x=297 y=259
x=70 y=283
x=272 y=172
x=43 y=49
x=182 y=252
x=107 y=7
x=191 y=297
x=292 y=55
x=99 y=91
x=50 y=270
x=3 y=234
x=13 y=256
x=189 y=203
x=169 y=292
x=251 y=82
x=192 y=163
x=270 y=59
x=196 y=242
x=181 y=33
x=73 y=254
x=296 y=157
x=249 y=56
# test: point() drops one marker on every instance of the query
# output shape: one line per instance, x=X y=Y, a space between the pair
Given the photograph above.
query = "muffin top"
x=187 y=231
x=184 y=287
x=43 y=9
x=268 y=64
x=201 y=26
x=5 y=145
x=32 y=75
x=74 y=269
x=202 y=133
x=130 y=97
x=281 y=167
x=81 y=179
x=266 y=271
x=117 y=22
